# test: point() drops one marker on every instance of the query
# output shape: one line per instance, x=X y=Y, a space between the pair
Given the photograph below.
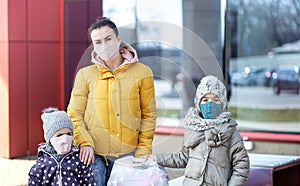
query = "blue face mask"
x=211 y=110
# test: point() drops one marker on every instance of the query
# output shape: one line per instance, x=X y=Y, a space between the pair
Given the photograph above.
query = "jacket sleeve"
x=180 y=158
x=173 y=160
x=240 y=161
x=88 y=177
x=35 y=175
x=76 y=110
x=148 y=117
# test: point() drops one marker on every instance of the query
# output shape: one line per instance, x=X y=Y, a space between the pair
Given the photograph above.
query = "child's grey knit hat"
x=53 y=120
x=211 y=84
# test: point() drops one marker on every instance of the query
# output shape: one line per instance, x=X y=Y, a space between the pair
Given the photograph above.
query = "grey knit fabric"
x=53 y=120
x=211 y=84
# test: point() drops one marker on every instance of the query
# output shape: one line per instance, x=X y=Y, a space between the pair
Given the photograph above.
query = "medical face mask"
x=211 y=110
x=106 y=51
x=62 y=144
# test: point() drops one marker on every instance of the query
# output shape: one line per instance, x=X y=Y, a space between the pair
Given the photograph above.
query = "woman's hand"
x=86 y=154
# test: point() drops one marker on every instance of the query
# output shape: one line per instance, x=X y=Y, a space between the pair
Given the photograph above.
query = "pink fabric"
x=128 y=53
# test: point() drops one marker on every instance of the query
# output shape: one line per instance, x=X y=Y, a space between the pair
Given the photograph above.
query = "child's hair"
x=54 y=120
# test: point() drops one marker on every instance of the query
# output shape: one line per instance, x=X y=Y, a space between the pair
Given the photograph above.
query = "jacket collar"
x=193 y=120
x=46 y=148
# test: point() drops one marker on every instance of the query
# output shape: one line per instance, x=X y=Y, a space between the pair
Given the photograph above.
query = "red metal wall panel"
x=75 y=37
x=32 y=69
x=76 y=24
x=75 y=50
x=43 y=86
x=17 y=14
x=44 y=20
x=32 y=73
x=94 y=10
x=78 y=17
x=18 y=128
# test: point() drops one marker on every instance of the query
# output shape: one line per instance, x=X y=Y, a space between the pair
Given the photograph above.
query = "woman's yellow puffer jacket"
x=114 y=112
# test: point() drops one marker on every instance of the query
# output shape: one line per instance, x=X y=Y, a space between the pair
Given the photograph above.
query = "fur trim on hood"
x=193 y=121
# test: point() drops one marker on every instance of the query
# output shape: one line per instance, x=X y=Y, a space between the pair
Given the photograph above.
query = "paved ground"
x=13 y=172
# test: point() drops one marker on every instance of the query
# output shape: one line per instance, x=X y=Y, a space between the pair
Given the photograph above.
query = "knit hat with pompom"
x=211 y=84
x=54 y=120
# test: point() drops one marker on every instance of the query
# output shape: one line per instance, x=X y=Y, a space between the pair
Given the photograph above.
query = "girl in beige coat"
x=212 y=152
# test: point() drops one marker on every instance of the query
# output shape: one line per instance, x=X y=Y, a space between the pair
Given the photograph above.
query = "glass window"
x=180 y=44
x=262 y=43
x=264 y=64
x=156 y=34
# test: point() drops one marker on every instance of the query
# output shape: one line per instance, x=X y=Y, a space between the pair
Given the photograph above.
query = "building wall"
x=31 y=42
x=40 y=45
x=78 y=15
x=4 y=89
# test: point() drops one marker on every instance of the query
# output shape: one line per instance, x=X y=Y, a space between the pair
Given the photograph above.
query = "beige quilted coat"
x=212 y=153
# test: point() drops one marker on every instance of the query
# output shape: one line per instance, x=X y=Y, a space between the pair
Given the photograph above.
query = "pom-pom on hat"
x=211 y=84
x=54 y=120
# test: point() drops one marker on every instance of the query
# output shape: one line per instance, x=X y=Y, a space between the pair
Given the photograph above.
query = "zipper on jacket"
x=106 y=162
x=59 y=177
x=59 y=167
x=59 y=164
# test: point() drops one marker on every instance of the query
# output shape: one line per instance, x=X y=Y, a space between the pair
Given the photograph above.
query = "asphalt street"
x=263 y=97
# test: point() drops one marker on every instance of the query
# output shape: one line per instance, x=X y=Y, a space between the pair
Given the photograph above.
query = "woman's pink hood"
x=127 y=52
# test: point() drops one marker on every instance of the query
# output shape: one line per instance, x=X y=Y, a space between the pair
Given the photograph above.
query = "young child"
x=212 y=152
x=58 y=160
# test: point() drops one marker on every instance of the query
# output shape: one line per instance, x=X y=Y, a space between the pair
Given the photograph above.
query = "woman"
x=112 y=104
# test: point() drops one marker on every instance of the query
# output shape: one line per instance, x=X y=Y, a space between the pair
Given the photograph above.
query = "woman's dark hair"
x=100 y=22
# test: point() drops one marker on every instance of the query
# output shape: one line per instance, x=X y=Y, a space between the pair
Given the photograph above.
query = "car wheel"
x=252 y=83
x=277 y=90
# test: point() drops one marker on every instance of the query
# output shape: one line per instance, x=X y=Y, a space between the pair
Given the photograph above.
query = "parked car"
x=249 y=77
x=286 y=78
x=263 y=76
x=242 y=79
